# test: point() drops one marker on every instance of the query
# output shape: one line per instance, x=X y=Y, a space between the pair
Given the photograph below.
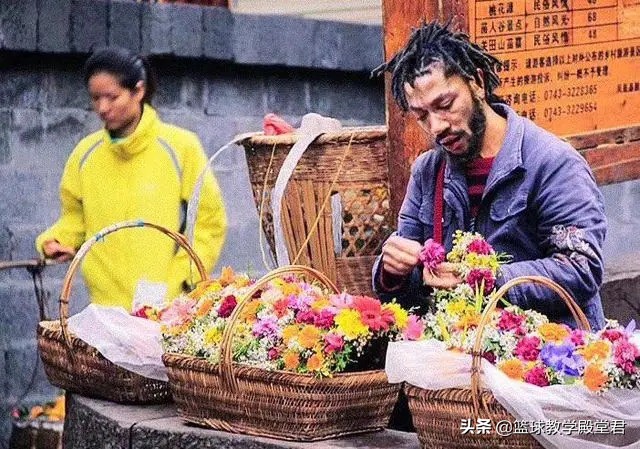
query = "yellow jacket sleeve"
x=69 y=230
x=210 y=225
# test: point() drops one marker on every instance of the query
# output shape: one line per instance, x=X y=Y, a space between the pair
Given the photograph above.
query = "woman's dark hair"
x=128 y=67
x=433 y=42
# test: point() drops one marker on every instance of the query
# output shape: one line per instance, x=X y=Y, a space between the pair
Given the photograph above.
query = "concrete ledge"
x=188 y=31
x=92 y=423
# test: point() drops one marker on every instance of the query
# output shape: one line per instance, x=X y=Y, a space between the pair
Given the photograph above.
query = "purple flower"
x=562 y=358
x=265 y=327
x=479 y=246
x=432 y=254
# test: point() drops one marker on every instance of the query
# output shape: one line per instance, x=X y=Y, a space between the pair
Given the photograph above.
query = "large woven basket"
x=438 y=414
x=356 y=159
x=277 y=404
x=72 y=364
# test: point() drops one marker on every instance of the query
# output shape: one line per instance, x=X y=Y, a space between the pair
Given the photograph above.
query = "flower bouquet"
x=288 y=356
x=513 y=344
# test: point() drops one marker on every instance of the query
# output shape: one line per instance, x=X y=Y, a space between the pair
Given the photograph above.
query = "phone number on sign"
x=571 y=109
x=547 y=427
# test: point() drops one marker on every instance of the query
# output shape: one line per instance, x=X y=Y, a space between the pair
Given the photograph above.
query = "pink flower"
x=577 y=337
x=626 y=355
x=306 y=317
x=509 y=321
x=479 y=246
x=324 y=319
x=341 y=301
x=226 y=308
x=537 y=376
x=528 y=348
x=334 y=343
x=432 y=254
x=178 y=312
x=478 y=275
x=414 y=328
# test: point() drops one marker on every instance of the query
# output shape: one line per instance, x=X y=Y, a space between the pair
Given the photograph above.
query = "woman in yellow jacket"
x=137 y=167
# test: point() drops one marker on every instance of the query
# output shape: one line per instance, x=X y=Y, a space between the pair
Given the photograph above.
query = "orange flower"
x=227 y=276
x=289 y=333
x=204 y=307
x=250 y=311
x=315 y=362
x=598 y=350
x=594 y=378
x=309 y=336
x=553 y=332
x=281 y=306
x=291 y=361
x=512 y=368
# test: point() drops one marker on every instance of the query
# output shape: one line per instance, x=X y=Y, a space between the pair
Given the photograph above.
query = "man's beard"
x=478 y=126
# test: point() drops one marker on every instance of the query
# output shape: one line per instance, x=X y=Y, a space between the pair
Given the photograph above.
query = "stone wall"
x=218 y=74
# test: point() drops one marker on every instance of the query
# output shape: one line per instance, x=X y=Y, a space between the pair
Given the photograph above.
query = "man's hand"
x=400 y=255
x=445 y=275
x=54 y=250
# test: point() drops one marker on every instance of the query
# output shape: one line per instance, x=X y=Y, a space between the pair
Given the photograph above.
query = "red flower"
x=226 y=308
x=372 y=314
x=477 y=276
x=509 y=321
x=528 y=348
x=537 y=376
x=273 y=353
x=613 y=335
x=334 y=343
x=143 y=312
x=479 y=246
x=490 y=356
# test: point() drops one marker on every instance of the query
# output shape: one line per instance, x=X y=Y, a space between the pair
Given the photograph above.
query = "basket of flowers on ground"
x=540 y=378
x=76 y=366
x=286 y=357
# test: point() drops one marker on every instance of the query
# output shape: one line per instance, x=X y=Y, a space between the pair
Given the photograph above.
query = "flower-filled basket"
x=277 y=375
x=74 y=365
x=438 y=415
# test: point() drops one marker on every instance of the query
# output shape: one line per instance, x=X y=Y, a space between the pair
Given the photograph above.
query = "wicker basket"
x=438 y=414
x=277 y=404
x=76 y=366
x=362 y=184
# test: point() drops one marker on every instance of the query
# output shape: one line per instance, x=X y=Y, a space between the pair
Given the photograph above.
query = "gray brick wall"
x=218 y=75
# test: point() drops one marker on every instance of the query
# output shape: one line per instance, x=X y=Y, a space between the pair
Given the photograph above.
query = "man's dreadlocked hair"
x=434 y=42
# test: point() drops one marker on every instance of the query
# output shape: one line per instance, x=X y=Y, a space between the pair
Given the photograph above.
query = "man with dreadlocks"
x=526 y=191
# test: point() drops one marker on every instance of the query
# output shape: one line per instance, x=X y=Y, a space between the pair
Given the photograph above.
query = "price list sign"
x=569 y=65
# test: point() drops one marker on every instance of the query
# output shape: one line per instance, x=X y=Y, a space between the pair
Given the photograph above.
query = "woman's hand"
x=445 y=275
x=52 y=249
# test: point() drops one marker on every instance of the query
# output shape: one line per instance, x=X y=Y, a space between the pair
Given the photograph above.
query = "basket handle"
x=226 y=354
x=476 y=354
x=84 y=249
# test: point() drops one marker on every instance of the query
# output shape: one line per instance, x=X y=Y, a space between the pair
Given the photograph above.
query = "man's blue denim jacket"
x=541 y=205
